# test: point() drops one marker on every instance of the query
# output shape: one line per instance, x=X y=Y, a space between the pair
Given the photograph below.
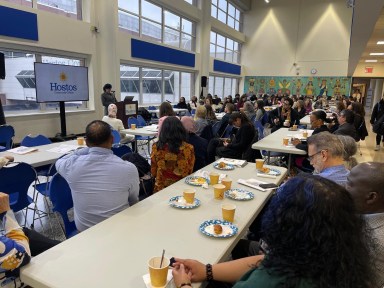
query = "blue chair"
x=116 y=136
x=61 y=198
x=193 y=112
x=141 y=121
x=121 y=150
x=6 y=137
x=147 y=139
x=227 y=131
x=151 y=108
x=215 y=129
x=38 y=140
x=16 y=178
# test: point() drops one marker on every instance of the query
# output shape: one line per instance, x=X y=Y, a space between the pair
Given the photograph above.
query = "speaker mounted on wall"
x=2 y=66
x=204 y=81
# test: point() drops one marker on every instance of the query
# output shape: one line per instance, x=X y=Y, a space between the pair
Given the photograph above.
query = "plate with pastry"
x=181 y=203
x=218 y=228
x=239 y=194
x=223 y=166
x=269 y=171
x=196 y=180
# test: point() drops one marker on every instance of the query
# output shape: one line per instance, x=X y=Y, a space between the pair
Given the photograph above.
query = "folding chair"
x=30 y=141
x=116 y=137
x=121 y=150
x=6 y=137
x=147 y=139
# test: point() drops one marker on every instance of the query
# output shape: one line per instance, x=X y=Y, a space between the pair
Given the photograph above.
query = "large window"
x=17 y=90
x=223 y=86
x=68 y=8
x=149 y=21
x=153 y=86
x=224 y=48
x=227 y=13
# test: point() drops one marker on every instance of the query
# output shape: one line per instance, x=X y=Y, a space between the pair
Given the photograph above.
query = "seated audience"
x=284 y=116
x=241 y=101
x=346 y=126
x=211 y=116
x=102 y=184
x=259 y=106
x=335 y=124
x=117 y=124
x=249 y=111
x=199 y=144
x=201 y=119
x=166 y=109
x=307 y=105
x=313 y=238
x=233 y=148
x=5 y=160
x=350 y=149
x=229 y=108
x=366 y=186
x=325 y=154
x=193 y=103
x=300 y=110
x=182 y=104
x=172 y=158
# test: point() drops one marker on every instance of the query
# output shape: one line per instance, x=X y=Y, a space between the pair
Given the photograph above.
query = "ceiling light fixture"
x=266 y=1
x=376 y=54
x=380 y=42
x=373 y=61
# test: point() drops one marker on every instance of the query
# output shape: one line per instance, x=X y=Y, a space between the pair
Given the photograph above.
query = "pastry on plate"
x=217 y=229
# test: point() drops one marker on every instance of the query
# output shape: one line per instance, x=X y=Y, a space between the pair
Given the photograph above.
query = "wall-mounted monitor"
x=55 y=83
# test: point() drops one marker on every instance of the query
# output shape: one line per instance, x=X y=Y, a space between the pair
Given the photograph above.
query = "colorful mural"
x=313 y=86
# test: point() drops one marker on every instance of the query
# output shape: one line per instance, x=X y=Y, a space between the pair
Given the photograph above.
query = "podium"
x=125 y=109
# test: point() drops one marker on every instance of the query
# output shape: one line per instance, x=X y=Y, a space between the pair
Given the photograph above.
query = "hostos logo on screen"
x=61 y=87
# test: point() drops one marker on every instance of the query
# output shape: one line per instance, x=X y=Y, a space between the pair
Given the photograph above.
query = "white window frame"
x=238 y=21
x=237 y=52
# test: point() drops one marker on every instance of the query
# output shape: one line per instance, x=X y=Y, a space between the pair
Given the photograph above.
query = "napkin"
x=205 y=174
x=266 y=175
x=236 y=162
x=170 y=284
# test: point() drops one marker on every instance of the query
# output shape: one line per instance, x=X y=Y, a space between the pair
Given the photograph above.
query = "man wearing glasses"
x=325 y=153
x=284 y=116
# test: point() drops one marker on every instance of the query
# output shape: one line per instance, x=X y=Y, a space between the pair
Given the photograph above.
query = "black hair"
x=289 y=100
x=314 y=232
x=320 y=114
x=98 y=132
x=107 y=86
x=172 y=134
x=241 y=115
x=260 y=105
x=349 y=115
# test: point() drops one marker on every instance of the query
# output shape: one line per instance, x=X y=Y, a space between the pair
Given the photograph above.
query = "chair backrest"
x=141 y=121
x=6 y=136
x=227 y=131
x=215 y=128
x=16 y=178
x=61 y=198
x=151 y=108
x=121 y=150
x=30 y=141
x=132 y=120
x=207 y=133
x=260 y=129
x=116 y=136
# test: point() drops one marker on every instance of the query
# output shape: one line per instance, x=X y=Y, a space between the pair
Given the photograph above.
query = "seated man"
x=366 y=186
x=117 y=124
x=325 y=153
x=284 y=116
x=346 y=124
x=102 y=184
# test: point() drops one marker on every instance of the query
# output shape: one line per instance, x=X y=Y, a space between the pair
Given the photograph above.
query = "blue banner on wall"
x=18 y=24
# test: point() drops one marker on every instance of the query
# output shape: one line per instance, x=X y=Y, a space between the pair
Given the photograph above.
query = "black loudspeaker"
x=2 y=66
x=204 y=81
x=2 y=118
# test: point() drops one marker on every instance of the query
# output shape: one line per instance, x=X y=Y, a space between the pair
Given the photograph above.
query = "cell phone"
x=268 y=186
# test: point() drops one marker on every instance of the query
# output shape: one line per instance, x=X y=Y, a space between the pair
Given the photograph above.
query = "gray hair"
x=248 y=107
x=350 y=149
x=329 y=142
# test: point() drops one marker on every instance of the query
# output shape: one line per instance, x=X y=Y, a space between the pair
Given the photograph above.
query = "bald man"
x=365 y=183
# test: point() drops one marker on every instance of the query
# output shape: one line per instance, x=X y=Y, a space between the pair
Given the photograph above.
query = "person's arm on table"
x=229 y=272
x=4 y=160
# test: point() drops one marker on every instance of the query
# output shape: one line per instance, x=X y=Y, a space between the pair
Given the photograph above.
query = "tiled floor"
x=52 y=227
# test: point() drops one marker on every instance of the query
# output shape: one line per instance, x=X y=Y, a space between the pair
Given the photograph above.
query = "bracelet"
x=184 y=284
x=209 y=272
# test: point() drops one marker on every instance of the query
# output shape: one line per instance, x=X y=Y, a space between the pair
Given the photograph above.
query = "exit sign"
x=368 y=69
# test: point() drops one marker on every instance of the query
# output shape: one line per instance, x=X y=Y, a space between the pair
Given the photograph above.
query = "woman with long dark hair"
x=172 y=158
x=314 y=239
x=260 y=111
x=166 y=109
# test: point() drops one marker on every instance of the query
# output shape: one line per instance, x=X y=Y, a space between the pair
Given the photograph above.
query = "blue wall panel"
x=18 y=24
x=150 y=51
x=225 y=67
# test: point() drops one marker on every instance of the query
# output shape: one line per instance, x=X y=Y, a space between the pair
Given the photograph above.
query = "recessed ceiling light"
x=380 y=42
x=266 y=1
x=376 y=54
x=371 y=61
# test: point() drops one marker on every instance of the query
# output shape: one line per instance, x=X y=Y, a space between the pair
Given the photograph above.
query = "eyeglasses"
x=310 y=158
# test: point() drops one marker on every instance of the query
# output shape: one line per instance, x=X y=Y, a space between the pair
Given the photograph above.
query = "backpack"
x=145 y=114
x=378 y=126
x=144 y=169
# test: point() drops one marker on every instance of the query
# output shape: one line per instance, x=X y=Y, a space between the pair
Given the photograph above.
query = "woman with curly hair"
x=172 y=158
x=314 y=238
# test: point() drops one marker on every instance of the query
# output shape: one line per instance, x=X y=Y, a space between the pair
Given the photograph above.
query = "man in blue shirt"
x=325 y=153
x=102 y=184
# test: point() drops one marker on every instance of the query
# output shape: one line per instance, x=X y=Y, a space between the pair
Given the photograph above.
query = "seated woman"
x=300 y=110
x=182 y=104
x=166 y=109
x=314 y=238
x=199 y=144
x=200 y=119
x=172 y=158
x=233 y=148
x=211 y=116
x=259 y=106
x=248 y=110
x=117 y=124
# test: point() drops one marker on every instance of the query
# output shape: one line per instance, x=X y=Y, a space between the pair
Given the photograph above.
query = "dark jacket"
x=346 y=129
x=224 y=122
x=361 y=129
x=242 y=139
x=200 y=146
x=182 y=105
x=300 y=114
x=378 y=111
x=276 y=114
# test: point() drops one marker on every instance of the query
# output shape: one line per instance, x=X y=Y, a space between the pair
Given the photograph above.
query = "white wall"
x=311 y=33
x=378 y=70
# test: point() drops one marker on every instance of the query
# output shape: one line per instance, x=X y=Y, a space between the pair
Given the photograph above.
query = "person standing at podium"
x=108 y=97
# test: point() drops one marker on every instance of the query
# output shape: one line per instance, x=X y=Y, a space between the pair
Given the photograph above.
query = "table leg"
x=289 y=164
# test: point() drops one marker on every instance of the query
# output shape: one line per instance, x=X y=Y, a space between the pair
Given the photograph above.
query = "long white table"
x=41 y=157
x=144 y=131
x=176 y=110
x=114 y=253
x=274 y=143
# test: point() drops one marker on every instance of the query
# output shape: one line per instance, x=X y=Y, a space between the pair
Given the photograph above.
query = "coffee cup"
x=285 y=141
x=219 y=190
x=214 y=178
x=228 y=211
x=189 y=195
x=80 y=141
x=294 y=127
x=305 y=134
x=227 y=182
x=157 y=273
x=259 y=164
x=133 y=126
